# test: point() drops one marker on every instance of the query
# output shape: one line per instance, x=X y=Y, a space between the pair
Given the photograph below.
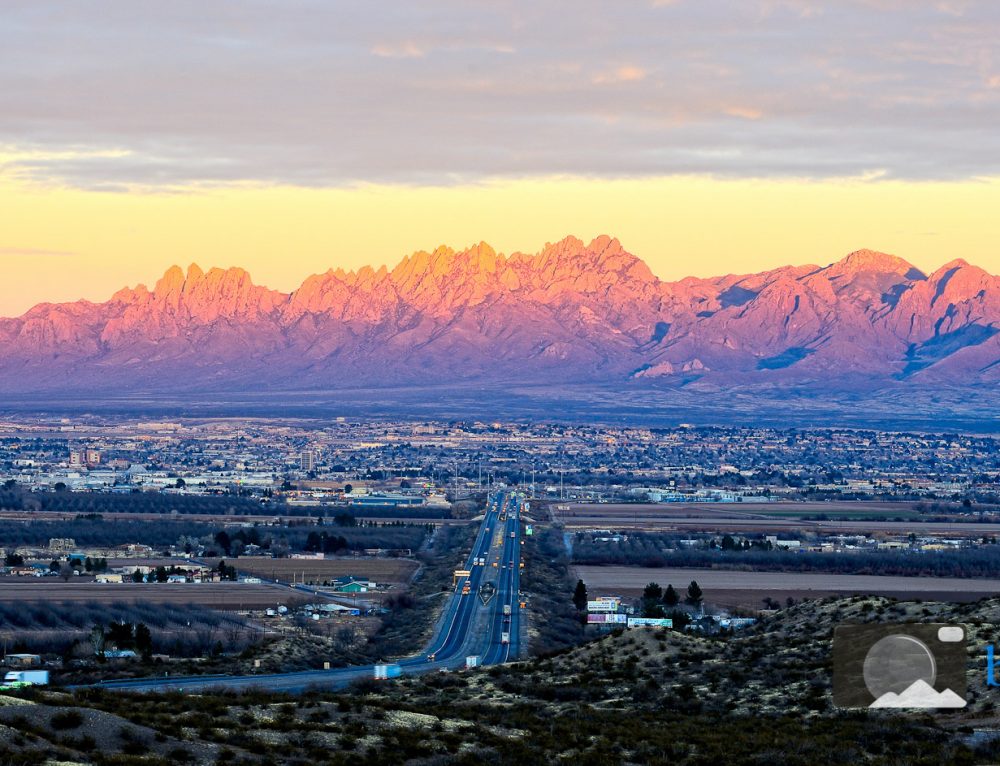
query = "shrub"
x=66 y=719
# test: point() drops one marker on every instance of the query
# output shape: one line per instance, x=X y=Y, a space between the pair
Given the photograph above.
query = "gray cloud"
x=120 y=93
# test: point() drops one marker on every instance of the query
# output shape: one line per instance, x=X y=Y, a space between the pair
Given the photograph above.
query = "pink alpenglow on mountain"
x=574 y=312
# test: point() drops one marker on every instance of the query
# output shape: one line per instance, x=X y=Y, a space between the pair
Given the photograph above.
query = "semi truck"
x=506 y=609
x=472 y=662
x=27 y=678
x=505 y=638
x=385 y=672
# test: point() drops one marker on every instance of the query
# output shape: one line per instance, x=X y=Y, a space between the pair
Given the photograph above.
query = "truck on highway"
x=472 y=662
x=506 y=609
x=505 y=638
x=385 y=672
x=26 y=678
x=511 y=535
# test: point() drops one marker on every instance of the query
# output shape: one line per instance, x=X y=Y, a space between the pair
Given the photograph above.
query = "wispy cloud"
x=627 y=73
x=34 y=252
x=746 y=112
x=404 y=50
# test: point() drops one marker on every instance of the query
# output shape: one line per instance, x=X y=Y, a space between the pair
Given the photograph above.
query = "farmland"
x=899 y=518
x=747 y=588
x=225 y=596
x=315 y=571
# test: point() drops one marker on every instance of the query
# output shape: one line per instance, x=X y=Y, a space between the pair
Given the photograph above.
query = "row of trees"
x=122 y=636
x=653 y=597
x=655 y=550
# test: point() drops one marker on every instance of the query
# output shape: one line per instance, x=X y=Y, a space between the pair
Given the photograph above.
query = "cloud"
x=400 y=50
x=34 y=252
x=107 y=97
x=621 y=74
x=746 y=112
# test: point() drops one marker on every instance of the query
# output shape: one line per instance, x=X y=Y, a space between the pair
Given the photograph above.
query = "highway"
x=468 y=626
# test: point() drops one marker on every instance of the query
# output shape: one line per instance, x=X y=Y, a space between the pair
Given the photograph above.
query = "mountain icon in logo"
x=919 y=694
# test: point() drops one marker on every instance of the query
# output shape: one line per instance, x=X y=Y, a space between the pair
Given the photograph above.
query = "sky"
x=290 y=137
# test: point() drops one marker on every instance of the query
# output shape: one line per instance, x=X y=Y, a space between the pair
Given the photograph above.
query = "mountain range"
x=571 y=313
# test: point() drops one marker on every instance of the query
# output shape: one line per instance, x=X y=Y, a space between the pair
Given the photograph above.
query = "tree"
x=137 y=576
x=680 y=620
x=144 y=640
x=161 y=574
x=348 y=488
x=652 y=592
x=653 y=609
x=580 y=595
x=13 y=560
x=54 y=566
x=223 y=541
x=670 y=597
x=120 y=635
x=694 y=595
x=97 y=639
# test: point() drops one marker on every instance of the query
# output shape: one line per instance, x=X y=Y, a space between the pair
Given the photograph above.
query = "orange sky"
x=62 y=244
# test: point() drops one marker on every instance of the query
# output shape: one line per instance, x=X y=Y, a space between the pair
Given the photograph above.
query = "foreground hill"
x=574 y=312
x=642 y=697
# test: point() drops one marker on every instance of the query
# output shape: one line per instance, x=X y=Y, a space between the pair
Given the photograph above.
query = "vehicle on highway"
x=18 y=678
x=385 y=672
x=505 y=638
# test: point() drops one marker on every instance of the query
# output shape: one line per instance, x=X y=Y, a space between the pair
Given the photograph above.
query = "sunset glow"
x=88 y=244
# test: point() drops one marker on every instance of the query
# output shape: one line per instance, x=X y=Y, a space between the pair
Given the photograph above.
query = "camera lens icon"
x=901 y=665
x=895 y=663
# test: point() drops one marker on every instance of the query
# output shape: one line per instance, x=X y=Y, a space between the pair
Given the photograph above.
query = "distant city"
x=385 y=463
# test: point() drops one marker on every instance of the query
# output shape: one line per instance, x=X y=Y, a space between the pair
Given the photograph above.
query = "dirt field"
x=748 y=588
x=313 y=571
x=225 y=596
x=214 y=518
x=761 y=517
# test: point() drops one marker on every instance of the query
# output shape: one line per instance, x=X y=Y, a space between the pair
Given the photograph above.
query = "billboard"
x=650 y=622
x=602 y=606
x=607 y=619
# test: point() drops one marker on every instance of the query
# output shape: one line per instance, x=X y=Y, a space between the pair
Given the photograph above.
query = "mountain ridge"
x=572 y=312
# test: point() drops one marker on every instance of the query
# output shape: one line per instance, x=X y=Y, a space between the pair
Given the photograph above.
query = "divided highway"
x=470 y=625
